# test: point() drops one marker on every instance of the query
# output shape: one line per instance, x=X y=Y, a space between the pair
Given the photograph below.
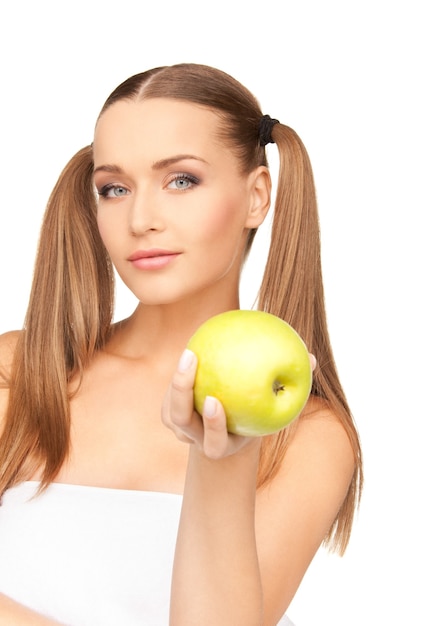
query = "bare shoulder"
x=320 y=458
x=8 y=343
x=320 y=454
x=320 y=429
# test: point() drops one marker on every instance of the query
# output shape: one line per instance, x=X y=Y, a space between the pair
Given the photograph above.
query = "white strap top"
x=90 y=556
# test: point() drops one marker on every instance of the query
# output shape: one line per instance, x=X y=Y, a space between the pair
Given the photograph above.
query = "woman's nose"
x=145 y=213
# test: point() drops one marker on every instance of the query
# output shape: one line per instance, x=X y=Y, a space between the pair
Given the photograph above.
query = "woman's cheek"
x=105 y=228
x=224 y=221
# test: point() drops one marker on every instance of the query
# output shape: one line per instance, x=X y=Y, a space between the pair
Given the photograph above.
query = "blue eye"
x=113 y=191
x=183 y=182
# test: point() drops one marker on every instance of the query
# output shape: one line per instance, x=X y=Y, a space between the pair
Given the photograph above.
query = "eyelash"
x=104 y=190
x=193 y=180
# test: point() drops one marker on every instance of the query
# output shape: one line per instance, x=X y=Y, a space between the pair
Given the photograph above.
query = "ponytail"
x=292 y=289
x=68 y=319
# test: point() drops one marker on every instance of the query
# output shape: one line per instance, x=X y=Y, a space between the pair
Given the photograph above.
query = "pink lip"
x=154 y=258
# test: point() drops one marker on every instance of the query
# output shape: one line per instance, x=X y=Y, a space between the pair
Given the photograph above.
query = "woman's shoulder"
x=320 y=424
x=8 y=343
x=9 y=339
x=321 y=448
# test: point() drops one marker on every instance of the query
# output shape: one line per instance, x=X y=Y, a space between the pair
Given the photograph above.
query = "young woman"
x=108 y=517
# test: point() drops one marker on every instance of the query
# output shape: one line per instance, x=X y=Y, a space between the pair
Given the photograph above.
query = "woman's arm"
x=14 y=614
x=241 y=555
x=216 y=576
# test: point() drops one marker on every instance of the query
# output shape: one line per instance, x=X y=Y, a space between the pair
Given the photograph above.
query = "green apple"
x=256 y=365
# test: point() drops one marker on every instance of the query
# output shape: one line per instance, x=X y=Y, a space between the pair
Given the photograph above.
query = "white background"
x=346 y=76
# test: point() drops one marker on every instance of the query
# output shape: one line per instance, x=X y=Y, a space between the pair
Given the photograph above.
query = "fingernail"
x=210 y=407
x=185 y=361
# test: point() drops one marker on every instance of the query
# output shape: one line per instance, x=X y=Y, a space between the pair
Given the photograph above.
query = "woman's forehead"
x=160 y=112
x=155 y=124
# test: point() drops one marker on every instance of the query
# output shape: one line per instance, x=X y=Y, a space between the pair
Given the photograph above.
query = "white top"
x=90 y=556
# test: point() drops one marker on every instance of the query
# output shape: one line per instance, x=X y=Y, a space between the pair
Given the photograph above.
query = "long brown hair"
x=71 y=304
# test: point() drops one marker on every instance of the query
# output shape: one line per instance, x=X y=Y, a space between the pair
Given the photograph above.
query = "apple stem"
x=277 y=386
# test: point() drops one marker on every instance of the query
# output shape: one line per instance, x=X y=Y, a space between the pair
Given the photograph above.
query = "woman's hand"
x=208 y=432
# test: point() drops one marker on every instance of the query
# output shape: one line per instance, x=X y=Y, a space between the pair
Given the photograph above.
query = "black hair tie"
x=265 y=129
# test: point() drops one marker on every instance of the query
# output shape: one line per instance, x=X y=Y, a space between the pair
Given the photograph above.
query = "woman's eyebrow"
x=163 y=163
x=114 y=169
x=157 y=165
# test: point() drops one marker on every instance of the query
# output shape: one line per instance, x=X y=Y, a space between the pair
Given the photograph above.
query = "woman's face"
x=173 y=208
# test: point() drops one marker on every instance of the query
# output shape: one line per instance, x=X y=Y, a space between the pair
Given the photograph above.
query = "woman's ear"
x=260 y=196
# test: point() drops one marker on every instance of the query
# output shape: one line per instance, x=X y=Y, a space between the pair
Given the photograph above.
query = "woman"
x=171 y=193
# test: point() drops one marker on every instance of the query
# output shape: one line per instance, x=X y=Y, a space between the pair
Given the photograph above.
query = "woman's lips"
x=152 y=259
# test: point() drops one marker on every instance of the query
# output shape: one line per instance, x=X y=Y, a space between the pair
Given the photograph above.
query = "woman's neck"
x=158 y=330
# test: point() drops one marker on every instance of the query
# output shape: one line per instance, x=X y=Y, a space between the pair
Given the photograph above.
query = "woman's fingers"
x=209 y=431
x=181 y=390
x=216 y=438
x=178 y=413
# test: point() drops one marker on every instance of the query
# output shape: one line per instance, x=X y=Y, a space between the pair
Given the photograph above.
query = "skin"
x=240 y=555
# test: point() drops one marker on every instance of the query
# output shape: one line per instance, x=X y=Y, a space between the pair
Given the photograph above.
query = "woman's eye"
x=113 y=191
x=183 y=182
